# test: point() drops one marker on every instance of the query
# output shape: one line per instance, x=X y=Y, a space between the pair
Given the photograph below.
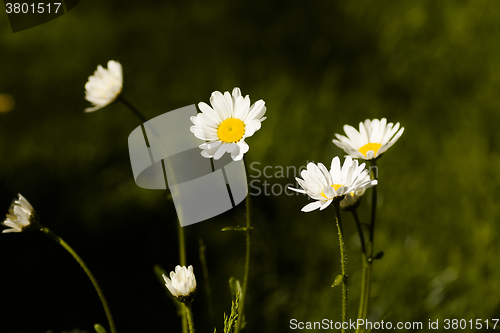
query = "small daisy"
x=373 y=139
x=325 y=186
x=21 y=216
x=227 y=124
x=352 y=199
x=104 y=86
x=182 y=283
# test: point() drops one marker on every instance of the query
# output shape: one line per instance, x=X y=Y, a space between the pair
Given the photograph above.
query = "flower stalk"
x=87 y=271
x=248 y=234
x=132 y=108
x=182 y=260
x=189 y=315
x=343 y=261
x=368 y=256
x=180 y=230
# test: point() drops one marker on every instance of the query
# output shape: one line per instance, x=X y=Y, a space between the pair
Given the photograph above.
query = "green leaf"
x=99 y=329
x=338 y=281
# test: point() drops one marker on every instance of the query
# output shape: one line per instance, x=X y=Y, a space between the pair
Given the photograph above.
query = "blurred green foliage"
x=433 y=66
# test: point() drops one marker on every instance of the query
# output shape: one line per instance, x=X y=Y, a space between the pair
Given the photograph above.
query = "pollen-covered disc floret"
x=182 y=283
x=21 y=216
x=104 y=86
x=227 y=124
x=373 y=139
x=326 y=186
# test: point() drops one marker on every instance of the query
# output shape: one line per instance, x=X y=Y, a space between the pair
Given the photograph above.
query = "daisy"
x=182 y=283
x=104 y=86
x=20 y=217
x=373 y=139
x=326 y=186
x=227 y=124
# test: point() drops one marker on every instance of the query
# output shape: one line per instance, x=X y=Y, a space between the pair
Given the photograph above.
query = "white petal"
x=335 y=168
x=252 y=127
x=242 y=150
x=311 y=206
x=326 y=204
x=221 y=105
x=206 y=109
x=241 y=107
x=236 y=92
x=222 y=149
x=257 y=110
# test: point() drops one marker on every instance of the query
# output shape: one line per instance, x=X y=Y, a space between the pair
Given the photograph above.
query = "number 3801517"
x=34 y=8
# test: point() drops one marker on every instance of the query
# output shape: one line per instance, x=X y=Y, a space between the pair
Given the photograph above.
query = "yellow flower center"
x=370 y=146
x=335 y=187
x=231 y=130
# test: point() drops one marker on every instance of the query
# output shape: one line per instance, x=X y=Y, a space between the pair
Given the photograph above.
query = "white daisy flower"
x=325 y=186
x=373 y=139
x=182 y=283
x=20 y=217
x=227 y=124
x=352 y=199
x=104 y=86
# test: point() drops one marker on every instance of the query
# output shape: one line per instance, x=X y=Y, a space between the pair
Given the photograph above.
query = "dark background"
x=433 y=66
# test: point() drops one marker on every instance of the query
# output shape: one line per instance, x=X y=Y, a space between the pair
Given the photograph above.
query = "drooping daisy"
x=325 y=186
x=227 y=124
x=373 y=139
x=182 y=283
x=21 y=216
x=352 y=199
x=104 y=86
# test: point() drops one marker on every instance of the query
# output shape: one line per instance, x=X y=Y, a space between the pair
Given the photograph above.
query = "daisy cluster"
x=348 y=183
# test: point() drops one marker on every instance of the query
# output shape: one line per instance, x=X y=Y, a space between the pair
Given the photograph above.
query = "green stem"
x=374 y=172
x=182 y=260
x=206 y=278
x=360 y=230
x=189 y=315
x=368 y=257
x=87 y=271
x=248 y=233
x=343 y=261
x=182 y=245
x=363 y=300
x=132 y=108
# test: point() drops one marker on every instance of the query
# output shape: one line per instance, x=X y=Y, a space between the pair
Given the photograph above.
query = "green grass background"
x=433 y=66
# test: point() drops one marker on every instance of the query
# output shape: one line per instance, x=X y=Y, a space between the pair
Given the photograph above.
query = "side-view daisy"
x=373 y=139
x=326 y=186
x=182 y=283
x=352 y=199
x=104 y=86
x=227 y=124
x=20 y=217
